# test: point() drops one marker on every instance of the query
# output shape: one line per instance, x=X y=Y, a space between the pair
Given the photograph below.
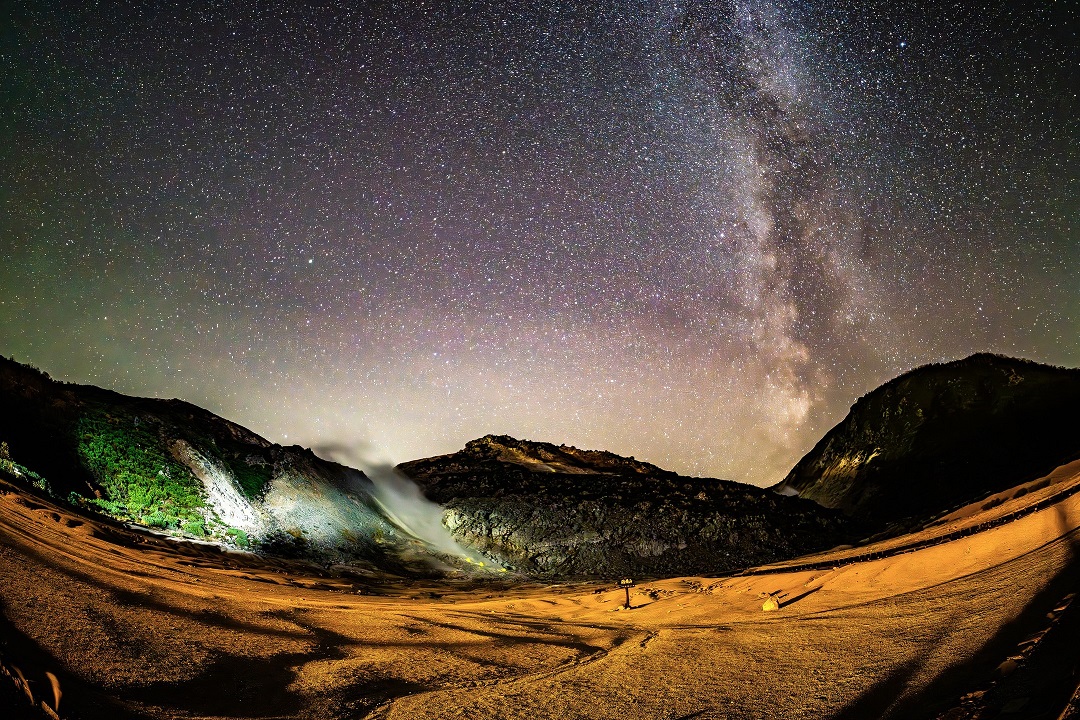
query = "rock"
x=550 y=511
x=1007 y=667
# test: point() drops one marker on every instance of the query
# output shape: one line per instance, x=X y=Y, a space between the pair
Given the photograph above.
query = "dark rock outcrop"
x=559 y=511
x=943 y=435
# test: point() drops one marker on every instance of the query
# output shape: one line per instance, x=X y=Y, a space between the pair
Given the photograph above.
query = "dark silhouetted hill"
x=942 y=435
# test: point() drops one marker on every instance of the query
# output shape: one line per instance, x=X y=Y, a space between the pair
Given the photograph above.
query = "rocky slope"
x=943 y=435
x=560 y=511
x=175 y=467
x=535 y=508
x=921 y=444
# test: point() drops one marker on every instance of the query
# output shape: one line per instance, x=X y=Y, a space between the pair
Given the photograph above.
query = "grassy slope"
x=110 y=452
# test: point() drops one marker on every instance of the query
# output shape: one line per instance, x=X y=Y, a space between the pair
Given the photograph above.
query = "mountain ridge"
x=942 y=434
x=934 y=437
x=560 y=511
x=171 y=465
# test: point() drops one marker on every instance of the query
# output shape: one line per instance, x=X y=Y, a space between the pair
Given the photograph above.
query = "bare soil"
x=970 y=618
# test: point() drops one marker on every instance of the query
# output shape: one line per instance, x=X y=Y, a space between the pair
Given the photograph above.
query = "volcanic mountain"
x=554 y=510
x=531 y=507
x=930 y=440
x=943 y=435
x=180 y=470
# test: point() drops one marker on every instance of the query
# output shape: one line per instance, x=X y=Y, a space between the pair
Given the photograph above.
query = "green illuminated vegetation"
x=141 y=483
x=20 y=471
x=239 y=537
x=253 y=479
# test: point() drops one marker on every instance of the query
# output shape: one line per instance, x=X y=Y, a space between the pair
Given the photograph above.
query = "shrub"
x=239 y=536
x=196 y=527
x=22 y=472
x=253 y=479
x=159 y=519
x=140 y=480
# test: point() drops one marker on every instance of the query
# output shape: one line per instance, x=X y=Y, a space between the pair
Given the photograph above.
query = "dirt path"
x=136 y=626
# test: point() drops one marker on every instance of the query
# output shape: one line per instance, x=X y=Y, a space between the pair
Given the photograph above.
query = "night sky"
x=693 y=232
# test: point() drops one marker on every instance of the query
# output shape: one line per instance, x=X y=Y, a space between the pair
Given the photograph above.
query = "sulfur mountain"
x=924 y=442
x=942 y=435
x=559 y=511
x=540 y=509
x=176 y=468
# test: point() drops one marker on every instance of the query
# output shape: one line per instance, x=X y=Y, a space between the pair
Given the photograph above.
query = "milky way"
x=690 y=232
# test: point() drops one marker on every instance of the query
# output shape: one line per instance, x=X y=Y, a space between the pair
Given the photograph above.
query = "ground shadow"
x=794 y=599
x=874 y=702
x=968 y=674
x=18 y=650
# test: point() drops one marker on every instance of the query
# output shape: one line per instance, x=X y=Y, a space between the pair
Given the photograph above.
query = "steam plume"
x=402 y=500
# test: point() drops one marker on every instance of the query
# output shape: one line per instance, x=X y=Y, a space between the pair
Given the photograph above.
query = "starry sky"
x=693 y=232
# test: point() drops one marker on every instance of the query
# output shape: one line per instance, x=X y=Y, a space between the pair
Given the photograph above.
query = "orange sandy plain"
x=134 y=625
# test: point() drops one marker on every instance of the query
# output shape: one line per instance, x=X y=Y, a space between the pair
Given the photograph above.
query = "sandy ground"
x=138 y=626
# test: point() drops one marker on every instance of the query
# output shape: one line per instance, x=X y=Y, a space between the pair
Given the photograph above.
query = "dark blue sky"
x=691 y=232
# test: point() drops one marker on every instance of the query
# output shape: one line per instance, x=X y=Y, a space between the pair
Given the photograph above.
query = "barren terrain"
x=967 y=618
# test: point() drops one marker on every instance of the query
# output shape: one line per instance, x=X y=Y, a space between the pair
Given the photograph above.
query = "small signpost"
x=626 y=584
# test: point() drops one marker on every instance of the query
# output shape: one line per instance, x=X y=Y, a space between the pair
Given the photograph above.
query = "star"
x=694 y=233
